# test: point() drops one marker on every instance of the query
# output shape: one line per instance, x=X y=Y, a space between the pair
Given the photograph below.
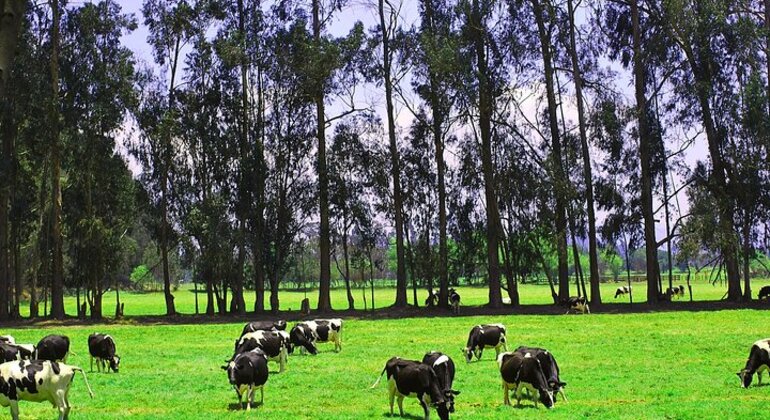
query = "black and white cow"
x=248 y=372
x=577 y=304
x=279 y=325
x=53 y=348
x=454 y=300
x=524 y=373
x=38 y=381
x=306 y=334
x=273 y=343
x=432 y=299
x=677 y=292
x=410 y=378
x=444 y=367
x=622 y=291
x=11 y=352
x=764 y=293
x=7 y=339
x=485 y=336
x=102 y=348
x=758 y=362
x=549 y=366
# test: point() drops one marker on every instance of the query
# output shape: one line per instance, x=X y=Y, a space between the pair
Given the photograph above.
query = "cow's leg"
x=424 y=405
x=249 y=397
x=92 y=363
x=238 y=394
x=14 y=410
x=262 y=395
x=518 y=395
x=506 y=398
x=401 y=405
x=391 y=396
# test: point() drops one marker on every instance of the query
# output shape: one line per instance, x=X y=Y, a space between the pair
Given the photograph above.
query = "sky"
x=360 y=10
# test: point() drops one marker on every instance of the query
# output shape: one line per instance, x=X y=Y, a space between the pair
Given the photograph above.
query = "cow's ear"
x=455 y=392
x=224 y=367
x=562 y=384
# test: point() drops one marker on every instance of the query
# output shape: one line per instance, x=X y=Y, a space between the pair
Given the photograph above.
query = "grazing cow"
x=409 y=378
x=522 y=372
x=764 y=293
x=53 y=348
x=272 y=343
x=454 y=300
x=11 y=352
x=38 y=381
x=622 y=291
x=102 y=347
x=577 y=304
x=248 y=372
x=432 y=299
x=306 y=334
x=758 y=362
x=279 y=325
x=444 y=367
x=550 y=368
x=485 y=336
x=677 y=292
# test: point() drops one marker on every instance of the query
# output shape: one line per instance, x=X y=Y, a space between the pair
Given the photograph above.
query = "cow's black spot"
x=40 y=382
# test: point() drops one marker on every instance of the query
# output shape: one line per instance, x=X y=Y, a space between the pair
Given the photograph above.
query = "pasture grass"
x=631 y=366
x=152 y=303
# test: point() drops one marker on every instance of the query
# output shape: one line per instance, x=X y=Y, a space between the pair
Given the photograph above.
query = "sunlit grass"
x=653 y=365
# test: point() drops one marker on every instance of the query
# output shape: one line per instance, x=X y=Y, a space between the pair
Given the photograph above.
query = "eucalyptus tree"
x=172 y=26
x=485 y=75
x=349 y=186
x=13 y=17
x=97 y=74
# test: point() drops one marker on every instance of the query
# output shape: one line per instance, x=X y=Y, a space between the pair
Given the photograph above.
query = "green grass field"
x=139 y=304
x=652 y=365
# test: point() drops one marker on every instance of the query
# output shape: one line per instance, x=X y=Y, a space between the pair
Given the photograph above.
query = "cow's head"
x=280 y=325
x=546 y=397
x=745 y=376
x=449 y=399
x=115 y=363
x=442 y=409
x=467 y=354
x=558 y=388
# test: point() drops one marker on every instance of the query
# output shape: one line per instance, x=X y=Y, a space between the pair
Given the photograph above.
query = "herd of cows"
x=37 y=372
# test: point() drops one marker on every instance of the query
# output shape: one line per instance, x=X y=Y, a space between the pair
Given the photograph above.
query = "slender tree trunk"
x=324 y=294
x=259 y=218
x=351 y=302
x=596 y=297
x=395 y=162
x=57 y=282
x=747 y=257
x=12 y=16
x=645 y=155
x=438 y=141
x=486 y=108
x=767 y=50
x=559 y=179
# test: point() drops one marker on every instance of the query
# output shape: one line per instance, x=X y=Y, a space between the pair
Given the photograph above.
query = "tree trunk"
x=596 y=297
x=767 y=50
x=351 y=302
x=57 y=281
x=486 y=105
x=747 y=258
x=12 y=15
x=559 y=180
x=645 y=155
x=324 y=293
x=394 y=161
x=438 y=141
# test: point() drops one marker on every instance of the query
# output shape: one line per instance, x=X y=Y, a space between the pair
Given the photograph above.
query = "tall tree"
x=577 y=76
x=558 y=176
x=13 y=16
x=57 y=267
x=386 y=28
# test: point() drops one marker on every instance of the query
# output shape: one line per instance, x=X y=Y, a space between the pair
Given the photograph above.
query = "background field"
x=137 y=304
x=655 y=365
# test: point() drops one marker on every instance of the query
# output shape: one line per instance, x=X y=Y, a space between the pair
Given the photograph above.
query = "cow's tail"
x=85 y=378
x=377 y=382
